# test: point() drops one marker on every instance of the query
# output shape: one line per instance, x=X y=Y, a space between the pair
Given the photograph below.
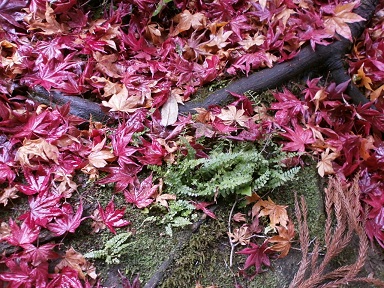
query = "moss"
x=308 y=184
x=203 y=258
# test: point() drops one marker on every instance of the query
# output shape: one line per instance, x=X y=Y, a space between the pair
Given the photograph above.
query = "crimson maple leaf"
x=299 y=138
x=257 y=256
x=19 y=274
x=140 y=194
x=111 y=217
x=38 y=181
x=40 y=254
x=203 y=206
x=122 y=176
x=67 y=277
x=27 y=233
x=68 y=221
x=43 y=208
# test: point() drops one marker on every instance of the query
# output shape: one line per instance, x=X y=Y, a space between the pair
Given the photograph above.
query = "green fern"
x=114 y=248
x=228 y=171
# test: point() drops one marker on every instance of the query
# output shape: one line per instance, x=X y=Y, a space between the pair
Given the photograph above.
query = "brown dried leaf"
x=277 y=213
x=98 y=155
x=283 y=240
x=74 y=260
x=324 y=167
x=7 y=194
x=186 y=20
x=38 y=149
x=240 y=235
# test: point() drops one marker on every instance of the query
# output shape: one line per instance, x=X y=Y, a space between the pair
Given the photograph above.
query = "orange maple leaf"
x=283 y=240
x=277 y=213
x=360 y=79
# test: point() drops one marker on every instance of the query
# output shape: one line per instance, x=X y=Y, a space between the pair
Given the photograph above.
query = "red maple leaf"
x=43 y=208
x=40 y=254
x=203 y=206
x=111 y=217
x=299 y=138
x=19 y=274
x=257 y=256
x=68 y=221
x=122 y=176
x=140 y=194
x=38 y=181
x=27 y=233
x=67 y=277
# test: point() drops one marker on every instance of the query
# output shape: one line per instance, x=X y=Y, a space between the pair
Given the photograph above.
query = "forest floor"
x=188 y=258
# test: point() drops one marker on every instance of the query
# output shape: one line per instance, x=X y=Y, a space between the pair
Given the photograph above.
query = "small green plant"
x=238 y=169
x=231 y=169
x=114 y=248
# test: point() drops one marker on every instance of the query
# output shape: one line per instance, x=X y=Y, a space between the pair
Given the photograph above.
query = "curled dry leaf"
x=169 y=111
x=7 y=194
x=240 y=235
x=324 y=166
x=38 y=150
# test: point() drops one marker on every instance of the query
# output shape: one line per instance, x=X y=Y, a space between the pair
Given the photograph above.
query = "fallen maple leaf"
x=257 y=256
x=68 y=221
x=109 y=217
x=73 y=260
x=299 y=138
x=39 y=254
x=186 y=20
x=7 y=194
x=283 y=240
x=233 y=115
x=98 y=156
x=277 y=213
x=203 y=207
x=341 y=15
x=240 y=235
x=239 y=217
x=360 y=79
x=37 y=150
x=68 y=277
x=123 y=102
x=324 y=166
x=27 y=233
x=140 y=193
